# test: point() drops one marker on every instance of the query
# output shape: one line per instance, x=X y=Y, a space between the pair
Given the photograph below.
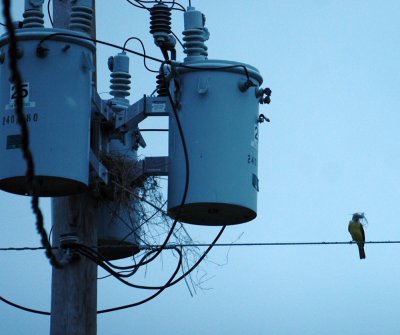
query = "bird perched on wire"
x=356 y=231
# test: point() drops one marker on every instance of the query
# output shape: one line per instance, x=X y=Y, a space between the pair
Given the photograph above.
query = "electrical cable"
x=26 y=309
x=140 y=4
x=152 y=296
x=217 y=68
x=109 y=309
x=195 y=265
x=144 y=52
x=184 y=275
x=99 y=42
x=177 y=38
x=25 y=146
x=49 y=13
x=249 y=244
x=183 y=246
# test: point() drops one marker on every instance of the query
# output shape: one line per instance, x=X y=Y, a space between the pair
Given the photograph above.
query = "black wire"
x=120 y=276
x=152 y=296
x=144 y=52
x=184 y=275
x=26 y=309
x=2 y=24
x=140 y=4
x=109 y=309
x=200 y=259
x=215 y=68
x=27 y=154
x=49 y=13
x=250 y=244
x=177 y=38
x=100 y=42
x=182 y=136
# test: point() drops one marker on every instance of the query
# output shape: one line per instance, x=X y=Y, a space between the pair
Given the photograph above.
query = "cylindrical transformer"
x=217 y=107
x=56 y=68
x=117 y=219
x=118 y=230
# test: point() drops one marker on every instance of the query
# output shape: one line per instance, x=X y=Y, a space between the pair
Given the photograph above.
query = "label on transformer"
x=254 y=141
x=14 y=142
x=25 y=95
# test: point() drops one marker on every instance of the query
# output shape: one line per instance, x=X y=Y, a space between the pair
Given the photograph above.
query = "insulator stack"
x=160 y=21
x=195 y=34
x=162 y=89
x=120 y=82
x=194 y=43
x=33 y=18
x=81 y=18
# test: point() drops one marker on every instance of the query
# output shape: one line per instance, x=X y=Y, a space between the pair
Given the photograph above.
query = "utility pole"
x=74 y=288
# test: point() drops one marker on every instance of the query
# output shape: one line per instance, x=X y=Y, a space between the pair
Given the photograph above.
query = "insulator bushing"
x=120 y=81
x=194 y=43
x=33 y=18
x=160 y=20
x=195 y=34
x=120 y=84
x=162 y=89
x=81 y=19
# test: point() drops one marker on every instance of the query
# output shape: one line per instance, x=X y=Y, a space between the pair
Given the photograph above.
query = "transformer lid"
x=220 y=65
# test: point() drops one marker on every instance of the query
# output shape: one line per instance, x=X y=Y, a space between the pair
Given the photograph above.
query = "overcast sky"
x=331 y=149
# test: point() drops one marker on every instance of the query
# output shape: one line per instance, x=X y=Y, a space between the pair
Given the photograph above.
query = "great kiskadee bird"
x=356 y=231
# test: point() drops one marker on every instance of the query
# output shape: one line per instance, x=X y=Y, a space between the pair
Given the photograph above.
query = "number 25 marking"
x=24 y=91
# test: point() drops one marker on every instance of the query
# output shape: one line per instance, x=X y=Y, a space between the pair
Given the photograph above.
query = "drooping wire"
x=49 y=13
x=177 y=38
x=195 y=265
x=26 y=309
x=40 y=45
x=114 y=308
x=140 y=4
x=120 y=276
x=144 y=52
x=152 y=296
x=25 y=146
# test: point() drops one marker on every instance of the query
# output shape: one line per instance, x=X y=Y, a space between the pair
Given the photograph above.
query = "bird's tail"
x=361 y=250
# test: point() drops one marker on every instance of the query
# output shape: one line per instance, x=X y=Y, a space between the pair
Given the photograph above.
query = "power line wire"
x=249 y=244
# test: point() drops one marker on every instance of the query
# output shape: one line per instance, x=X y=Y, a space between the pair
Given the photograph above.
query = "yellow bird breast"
x=356 y=231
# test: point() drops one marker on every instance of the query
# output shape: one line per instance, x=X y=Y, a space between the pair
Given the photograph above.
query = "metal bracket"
x=147 y=106
x=98 y=167
x=101 y=109
x=152 y=166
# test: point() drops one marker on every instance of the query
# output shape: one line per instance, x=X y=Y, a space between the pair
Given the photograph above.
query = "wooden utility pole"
x=74 y=288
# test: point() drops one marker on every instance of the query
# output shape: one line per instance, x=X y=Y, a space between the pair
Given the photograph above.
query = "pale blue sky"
x=331 y=149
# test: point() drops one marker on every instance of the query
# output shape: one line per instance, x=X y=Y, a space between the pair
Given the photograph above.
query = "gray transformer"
x=219 y=117
x=57 y=81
